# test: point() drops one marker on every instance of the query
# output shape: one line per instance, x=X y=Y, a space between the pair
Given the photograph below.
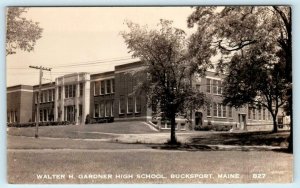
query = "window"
x=41 y=115
x=219 y=110
x=249 y=112
x=112 y=108
x=102 y=91
x=80 y=110
x=108 y=109
x=229 y=111
x=96 y=110
x=108 y=87
x=215 y=109
x=113 y=85
x=102 y=110
x=198 y=87
x=70 y=91
x=50 y=95
x=42 y=98
x=59 y=92
x=208 y=85
x=138 y=105
x=45 y=115
x=81 y=89
x=122 y=104
x=96 y=88
x=74 y=91
x=253 y=113
x=259 y=114
x=264 y=114
x=269 y=115
x=45 y=96
x=36 y=97
x=66 y=92
x=208 y=113
x=219 y=87
x=129 y=104
x=224 y=114
x=215 y=86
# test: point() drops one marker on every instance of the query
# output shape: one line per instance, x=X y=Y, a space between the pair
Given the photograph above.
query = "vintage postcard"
x=153 y=95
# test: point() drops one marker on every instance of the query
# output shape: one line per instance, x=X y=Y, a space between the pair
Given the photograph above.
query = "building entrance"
x=70 y=113
x=198 y=118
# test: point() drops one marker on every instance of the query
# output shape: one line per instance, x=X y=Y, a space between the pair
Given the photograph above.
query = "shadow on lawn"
x=243 y=139
x=246 y=141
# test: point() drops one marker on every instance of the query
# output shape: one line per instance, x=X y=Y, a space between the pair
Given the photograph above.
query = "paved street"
x=117 y=154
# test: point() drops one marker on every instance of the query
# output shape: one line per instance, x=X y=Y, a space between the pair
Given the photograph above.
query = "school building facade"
x=110 y=96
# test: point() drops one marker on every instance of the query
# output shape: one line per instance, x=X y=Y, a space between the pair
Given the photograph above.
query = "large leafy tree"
x=167 y=68
x=257 y=82
x=236 y=31
x=20 y=33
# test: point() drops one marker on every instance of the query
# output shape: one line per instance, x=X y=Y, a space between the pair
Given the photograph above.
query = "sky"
x=80 y=35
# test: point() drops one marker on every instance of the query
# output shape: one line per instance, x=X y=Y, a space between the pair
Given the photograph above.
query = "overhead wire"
x=83 y=63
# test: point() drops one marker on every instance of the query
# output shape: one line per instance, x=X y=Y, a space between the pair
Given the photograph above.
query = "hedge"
x=33 y=124
x=213 y=128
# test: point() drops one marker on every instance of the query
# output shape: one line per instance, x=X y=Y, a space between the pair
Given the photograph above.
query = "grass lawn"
x=91 y=131
x=23 y=166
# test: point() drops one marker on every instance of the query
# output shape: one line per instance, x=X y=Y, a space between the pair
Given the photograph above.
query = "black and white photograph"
x=149 y=95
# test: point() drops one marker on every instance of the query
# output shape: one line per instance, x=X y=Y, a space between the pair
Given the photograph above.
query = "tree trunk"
x=173 y=126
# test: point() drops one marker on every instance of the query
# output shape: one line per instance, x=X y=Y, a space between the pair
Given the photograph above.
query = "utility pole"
x=36 y=135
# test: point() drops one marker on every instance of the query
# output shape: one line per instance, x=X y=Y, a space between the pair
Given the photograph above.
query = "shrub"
x=33 y=124
x=213 y=128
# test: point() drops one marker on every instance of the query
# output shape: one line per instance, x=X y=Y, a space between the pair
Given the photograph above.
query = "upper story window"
x=70 y=91
x=96 y=88
x=219 y=87
x=215 y=86
x=102 y=89
x=81 y=89
x=45 y=96
x=208 y=85
x=113 y=85
x=108 y=87
x=50 y=95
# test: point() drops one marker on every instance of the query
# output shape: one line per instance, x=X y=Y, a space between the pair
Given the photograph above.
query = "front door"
x=198 y=118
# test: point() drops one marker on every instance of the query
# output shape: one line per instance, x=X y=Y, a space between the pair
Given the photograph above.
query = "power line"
x=84 y=63
x=92 y=63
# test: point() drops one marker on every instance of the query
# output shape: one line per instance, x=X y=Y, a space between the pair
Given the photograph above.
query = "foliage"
x=20 y=33
x=236 y=32
x=257 y=82
x=214 y=128
x=33 y=124
x=167 y=68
